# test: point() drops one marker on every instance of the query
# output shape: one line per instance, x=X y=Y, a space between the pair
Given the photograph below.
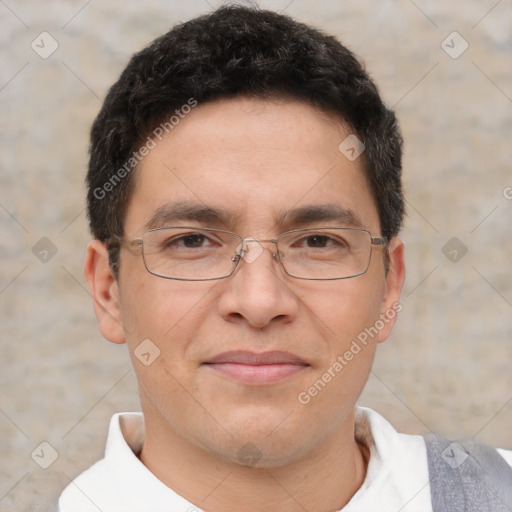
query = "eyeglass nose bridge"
x=243 y=250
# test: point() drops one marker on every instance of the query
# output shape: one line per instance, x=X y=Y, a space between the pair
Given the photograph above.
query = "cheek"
x=160 y=318
x=167 y=312
x=344 y=308
x=349 y=315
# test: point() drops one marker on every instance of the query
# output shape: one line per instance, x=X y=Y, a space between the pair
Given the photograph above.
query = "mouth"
x=257 y=368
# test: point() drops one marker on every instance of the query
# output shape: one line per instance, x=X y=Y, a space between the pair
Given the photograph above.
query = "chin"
x=265 y=441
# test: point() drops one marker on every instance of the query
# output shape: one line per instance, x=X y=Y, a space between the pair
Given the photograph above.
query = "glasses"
x=203 y=254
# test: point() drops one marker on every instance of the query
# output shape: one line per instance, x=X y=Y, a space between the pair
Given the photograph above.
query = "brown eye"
x=192 y=241
x=317 y=241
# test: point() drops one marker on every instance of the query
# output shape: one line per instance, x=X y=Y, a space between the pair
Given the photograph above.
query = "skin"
x=256 y=159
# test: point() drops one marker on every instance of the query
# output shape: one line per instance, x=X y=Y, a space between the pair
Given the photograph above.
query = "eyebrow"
x=185 y=211
x=314 y=214
x=188 y=212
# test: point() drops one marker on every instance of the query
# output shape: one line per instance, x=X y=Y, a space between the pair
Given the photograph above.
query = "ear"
x=395 y=278
x=104 y=291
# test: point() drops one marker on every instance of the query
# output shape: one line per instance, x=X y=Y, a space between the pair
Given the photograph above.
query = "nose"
x=257 y=293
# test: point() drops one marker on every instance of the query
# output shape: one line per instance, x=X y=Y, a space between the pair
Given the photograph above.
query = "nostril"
x=236 y=316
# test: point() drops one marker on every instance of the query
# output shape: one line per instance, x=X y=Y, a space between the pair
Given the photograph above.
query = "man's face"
x=255 y=163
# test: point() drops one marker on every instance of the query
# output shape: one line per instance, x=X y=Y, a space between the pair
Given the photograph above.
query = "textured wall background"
x=447 y=366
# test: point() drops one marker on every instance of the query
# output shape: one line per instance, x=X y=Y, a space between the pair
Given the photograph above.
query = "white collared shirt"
x=397 y=478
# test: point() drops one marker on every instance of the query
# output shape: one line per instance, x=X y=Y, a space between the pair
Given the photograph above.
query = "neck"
x=324 y=480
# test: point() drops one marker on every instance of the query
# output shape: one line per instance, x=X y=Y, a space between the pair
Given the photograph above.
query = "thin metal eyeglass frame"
x=238 y=255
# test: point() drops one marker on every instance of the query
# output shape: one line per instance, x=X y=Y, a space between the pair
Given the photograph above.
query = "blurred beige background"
x=447 y=366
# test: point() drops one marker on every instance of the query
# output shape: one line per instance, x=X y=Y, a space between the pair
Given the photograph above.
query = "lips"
x=257 y=368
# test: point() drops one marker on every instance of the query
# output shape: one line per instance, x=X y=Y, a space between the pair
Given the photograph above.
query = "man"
x=245 y=199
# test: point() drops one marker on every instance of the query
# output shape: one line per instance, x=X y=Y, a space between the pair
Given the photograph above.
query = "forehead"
x=253 y=162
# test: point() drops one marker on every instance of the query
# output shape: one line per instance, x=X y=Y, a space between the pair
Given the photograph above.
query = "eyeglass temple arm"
x=379 y=241
x=119 y=240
